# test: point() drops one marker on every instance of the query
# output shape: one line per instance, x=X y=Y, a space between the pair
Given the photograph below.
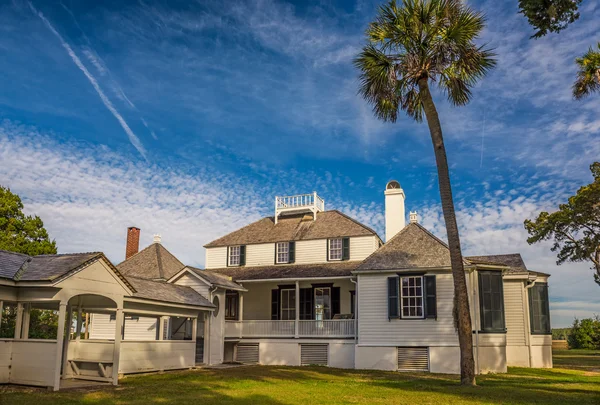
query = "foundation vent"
x=413 y=359
x=247 y=353
x=313 y=354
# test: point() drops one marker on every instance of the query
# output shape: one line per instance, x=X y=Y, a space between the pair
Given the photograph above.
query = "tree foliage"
x=549 y=15
x=588 y=75
x=575 y=227
x=19 y=232
x=585 y=334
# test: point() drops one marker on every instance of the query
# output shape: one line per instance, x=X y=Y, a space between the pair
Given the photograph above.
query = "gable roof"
x=166 y=292
x=412 y=247
x=216 y=279
x=328 y=224
x=154 y=262
x=19 y=267
x=514 y=261
x=287 y=271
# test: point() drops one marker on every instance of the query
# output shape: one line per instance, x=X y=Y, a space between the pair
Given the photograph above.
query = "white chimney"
x=394 y=209
x=413 y=217
x=156 y=238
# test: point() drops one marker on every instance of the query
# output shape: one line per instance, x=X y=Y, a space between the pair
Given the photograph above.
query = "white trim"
x=341 y=249
x=411 y=296
x=287 y=252
x=271 y=280
x=167 y=304
x=187 y=270
x=229 y=256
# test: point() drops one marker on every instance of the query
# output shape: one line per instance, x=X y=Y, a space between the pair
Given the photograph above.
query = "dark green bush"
x=585 y=334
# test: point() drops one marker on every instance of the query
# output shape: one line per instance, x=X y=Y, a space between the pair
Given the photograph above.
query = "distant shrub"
x=560 y=334
x=585 y=334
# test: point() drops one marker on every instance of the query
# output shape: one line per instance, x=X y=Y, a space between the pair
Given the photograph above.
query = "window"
x=539 y=309
x=283 y=252
x=216 y=304
x=411 y=294
x=335 y=249
x=232 y=299
x=234 y=255
x=491 y=301
x=9 y=320
x=352 y=302
x=288 y=305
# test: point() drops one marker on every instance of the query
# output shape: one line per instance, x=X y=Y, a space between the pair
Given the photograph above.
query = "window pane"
x=492 y=306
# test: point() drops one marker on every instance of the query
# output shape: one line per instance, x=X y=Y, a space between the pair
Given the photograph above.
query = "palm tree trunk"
x=461 y=298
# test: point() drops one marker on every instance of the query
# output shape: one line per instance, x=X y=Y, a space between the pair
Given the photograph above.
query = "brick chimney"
x=133 y=241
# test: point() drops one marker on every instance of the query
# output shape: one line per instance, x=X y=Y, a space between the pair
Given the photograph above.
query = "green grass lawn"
x=262 y=385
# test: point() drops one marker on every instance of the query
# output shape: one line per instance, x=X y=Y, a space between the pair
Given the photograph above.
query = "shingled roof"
x=330 y=269
x=154 y=262
x=216 y=279
x=20 y=267
x=166 y=292
x=412 y=247
x=328 y=224
x=513 y=261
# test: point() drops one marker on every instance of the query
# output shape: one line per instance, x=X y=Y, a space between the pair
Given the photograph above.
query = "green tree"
x=588 y=75
x=410 y=46
x=575 y=227
x=19 y=232
x=549 y=15
x=585 y=334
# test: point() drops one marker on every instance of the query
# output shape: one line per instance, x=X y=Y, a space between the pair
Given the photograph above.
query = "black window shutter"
x=393 y=301
x=243 y=255
x=292 y=252
x=335 y=301
x=275 y=304
x=306 y=304
x=430 y=297
x=346 y=249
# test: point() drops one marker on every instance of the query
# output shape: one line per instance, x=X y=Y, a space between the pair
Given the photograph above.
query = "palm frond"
x=588 y=75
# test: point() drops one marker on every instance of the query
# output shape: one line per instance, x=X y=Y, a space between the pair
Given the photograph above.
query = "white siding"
x=194 y=282
x=158 y=355
x=311 y=251
x=361 y=247
x=375 y=328
x=33 y=362
x=262 y=254
x=514 y=304
x=5 y=356
x=216 y=257
x=143 y=328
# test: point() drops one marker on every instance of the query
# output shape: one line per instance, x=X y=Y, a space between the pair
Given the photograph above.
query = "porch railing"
x=335 y=328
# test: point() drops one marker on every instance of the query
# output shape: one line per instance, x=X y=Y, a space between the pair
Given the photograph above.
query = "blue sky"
x=186 y=119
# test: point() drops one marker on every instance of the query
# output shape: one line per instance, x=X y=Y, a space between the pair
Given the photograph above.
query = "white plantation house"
x=306 y=286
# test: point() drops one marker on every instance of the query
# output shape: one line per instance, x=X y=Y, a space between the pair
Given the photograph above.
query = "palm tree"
x=588 y=76
x=408 y=47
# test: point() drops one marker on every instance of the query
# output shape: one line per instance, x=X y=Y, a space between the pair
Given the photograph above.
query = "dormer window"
x=335 y=249
x=284 y=252
x=236 y=255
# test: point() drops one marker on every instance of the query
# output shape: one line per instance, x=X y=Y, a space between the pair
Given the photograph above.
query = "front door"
x=322 y=303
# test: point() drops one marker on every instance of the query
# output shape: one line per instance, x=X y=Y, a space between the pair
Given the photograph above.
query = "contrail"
x=135 y=141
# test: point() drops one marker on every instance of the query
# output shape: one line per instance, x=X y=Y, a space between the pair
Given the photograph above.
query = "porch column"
x=194 y=329
x=19 y=320
x=241 y=317
x=117 y=345
x=297 y=300
x=69 y=320
x=1 y=310
x=26 y=319
x=60 y=338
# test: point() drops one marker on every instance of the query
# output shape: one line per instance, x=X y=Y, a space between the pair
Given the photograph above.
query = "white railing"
x=300 y=201
x=327 y=328
x=337 y=328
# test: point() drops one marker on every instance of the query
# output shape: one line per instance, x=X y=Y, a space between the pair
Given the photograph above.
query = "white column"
x=69 y=320
x=241 y=317
x=117 y=345
x=1 y=310
x=194 y=329
x=79 y=324
x=60 y=337
x=19 y=321
x=297 y=301
x=26 y=319
x=161 y=328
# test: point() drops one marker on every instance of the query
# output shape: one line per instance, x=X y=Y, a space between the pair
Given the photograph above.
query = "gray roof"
x=216 y=279
x=166 y=292
x=513 y=260
x=19 y=267
x=154 y=262
x=330 y=269
x=328 y=224
x=412 y=247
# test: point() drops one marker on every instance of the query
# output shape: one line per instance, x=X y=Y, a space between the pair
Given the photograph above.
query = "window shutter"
x=275 y=304
x=393 y=301
x=335 y=301
x=346 y=249
x=243 y=255
x=292 y=252
x=430 y=297
x=306 y=304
